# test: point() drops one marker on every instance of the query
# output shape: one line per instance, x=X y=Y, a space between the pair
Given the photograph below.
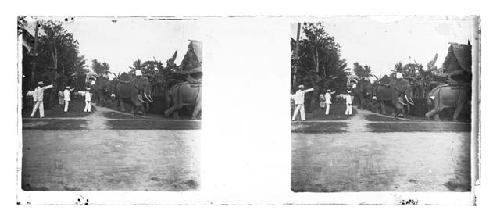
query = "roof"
x=459 y=58
x=197 y=47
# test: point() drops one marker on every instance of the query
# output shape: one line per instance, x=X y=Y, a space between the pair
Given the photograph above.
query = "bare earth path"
x=363 y=155
x=101 y=153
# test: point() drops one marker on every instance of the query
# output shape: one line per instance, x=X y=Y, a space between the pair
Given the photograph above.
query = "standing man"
x=328 y=101
x=88 y=100
x=299 y=102
x=348 y=103
x=38 y=98
x=67 y=98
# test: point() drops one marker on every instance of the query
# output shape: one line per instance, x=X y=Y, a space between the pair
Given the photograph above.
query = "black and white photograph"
x=109 y=103
x=383 y=104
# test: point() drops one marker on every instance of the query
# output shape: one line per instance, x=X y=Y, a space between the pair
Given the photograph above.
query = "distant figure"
x=299 y=102
x=322 y=100
x=328 y=100
x=88 y=100
x=38 y=99
x=67 y=98
x=60 y=94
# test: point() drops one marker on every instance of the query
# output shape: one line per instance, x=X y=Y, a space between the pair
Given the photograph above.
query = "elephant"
x=102 y=91
x=135 y=91
x=448 y=96
x=363 y=93
x=183 y=94
x=397 y=94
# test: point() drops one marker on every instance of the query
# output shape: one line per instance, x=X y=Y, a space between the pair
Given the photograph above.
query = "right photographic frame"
x=385 y=103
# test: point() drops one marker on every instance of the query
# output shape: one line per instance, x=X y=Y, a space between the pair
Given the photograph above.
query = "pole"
x=294 y=77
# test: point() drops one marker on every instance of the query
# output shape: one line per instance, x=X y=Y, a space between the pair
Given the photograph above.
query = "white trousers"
x=348 y=110
x=299 y=107
x=88 y=107
x=66 y=104
x=38 y=105
x=327 y=109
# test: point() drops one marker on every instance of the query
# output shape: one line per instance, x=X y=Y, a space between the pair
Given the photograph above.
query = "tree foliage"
x=101 y=69
x=318 y=63
x=57 y=60
x=361 y=71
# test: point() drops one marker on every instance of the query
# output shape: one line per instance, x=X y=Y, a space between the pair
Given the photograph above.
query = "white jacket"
x=38 y=93
x=299 y=95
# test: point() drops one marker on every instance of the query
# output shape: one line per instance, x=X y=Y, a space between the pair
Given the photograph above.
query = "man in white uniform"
x=348 y=103
x=38 y=98
x=67 y=98
x=328 y=100
x=88 y=100
x=299 y=102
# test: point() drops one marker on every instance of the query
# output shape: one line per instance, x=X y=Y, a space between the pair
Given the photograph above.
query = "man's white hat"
x=88 y=88
x=301 y=86
x=328 y=90
x=40 y=83
x=67 y=87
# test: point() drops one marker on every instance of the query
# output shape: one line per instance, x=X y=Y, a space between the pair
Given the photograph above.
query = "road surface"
x=111 y=151
x=361 y=154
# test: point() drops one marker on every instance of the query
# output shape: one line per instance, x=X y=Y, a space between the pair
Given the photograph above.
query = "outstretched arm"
x=308 y=90
x=48 y=87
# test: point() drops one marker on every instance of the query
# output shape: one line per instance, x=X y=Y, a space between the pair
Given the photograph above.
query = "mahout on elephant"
x=457 y=93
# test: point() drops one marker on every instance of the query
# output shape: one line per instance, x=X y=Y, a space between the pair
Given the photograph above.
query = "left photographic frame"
x=109 y=104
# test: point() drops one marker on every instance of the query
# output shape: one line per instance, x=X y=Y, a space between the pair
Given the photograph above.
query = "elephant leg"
x=172 y=109
x=143 y=109
x=196 y=111
x=436 y=117
x=176 y=115
x=122 y=104
x=457 y=112
x=382 y=107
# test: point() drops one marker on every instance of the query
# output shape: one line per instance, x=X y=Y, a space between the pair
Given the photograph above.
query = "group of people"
x=325 y=102
x=64 y=98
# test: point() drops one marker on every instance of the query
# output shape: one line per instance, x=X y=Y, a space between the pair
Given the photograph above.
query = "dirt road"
x=363 y=155
x=104 y=151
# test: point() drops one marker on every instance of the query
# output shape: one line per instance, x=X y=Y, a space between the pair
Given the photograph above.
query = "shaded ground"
x=389 y=155
x=95 y=152
x=318 y=127
x=154 y=124
x=420 y=127
x=53 y=124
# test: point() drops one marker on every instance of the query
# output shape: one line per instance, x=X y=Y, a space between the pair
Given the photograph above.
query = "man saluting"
x=299 y=102
x=38 y=99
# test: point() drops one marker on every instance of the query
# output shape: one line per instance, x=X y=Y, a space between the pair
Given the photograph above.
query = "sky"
x=122 y=42
x=381 y=42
